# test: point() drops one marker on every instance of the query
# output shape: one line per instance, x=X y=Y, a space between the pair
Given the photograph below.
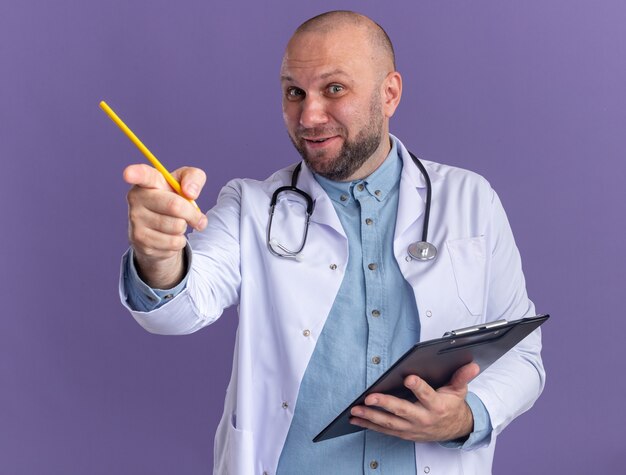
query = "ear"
x=391 y=93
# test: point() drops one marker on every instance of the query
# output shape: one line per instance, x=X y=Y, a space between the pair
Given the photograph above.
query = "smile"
x=318 y=141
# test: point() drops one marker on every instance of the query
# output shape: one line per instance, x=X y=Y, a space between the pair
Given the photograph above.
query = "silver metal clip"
x=475 y=328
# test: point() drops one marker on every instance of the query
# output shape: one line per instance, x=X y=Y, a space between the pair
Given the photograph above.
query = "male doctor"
x=315 y=331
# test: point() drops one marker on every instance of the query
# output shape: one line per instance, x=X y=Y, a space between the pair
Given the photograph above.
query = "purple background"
x=529 y=94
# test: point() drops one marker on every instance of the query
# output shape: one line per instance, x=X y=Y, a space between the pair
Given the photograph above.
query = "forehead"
x=319 y=55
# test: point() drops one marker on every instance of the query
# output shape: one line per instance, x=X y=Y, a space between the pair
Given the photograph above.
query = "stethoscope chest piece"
x=422 y=251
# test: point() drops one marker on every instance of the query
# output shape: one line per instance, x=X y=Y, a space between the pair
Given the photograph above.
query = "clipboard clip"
x=475 y=328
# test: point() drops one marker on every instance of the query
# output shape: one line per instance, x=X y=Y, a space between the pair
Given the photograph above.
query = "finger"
x=144 y=176
x=174 y=205
x=386 y=420
x=143 y=203
x=153 y=244
x=366 y=424
x=165 y=224
x=394 y=405
x=424 y=393
x=191 y=181
x=146 y=210
x=462 y=376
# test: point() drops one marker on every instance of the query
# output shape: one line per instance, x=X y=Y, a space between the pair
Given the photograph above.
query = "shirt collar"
x=378 y=184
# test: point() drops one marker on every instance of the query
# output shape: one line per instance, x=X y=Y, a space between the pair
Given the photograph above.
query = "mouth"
x=318 y=141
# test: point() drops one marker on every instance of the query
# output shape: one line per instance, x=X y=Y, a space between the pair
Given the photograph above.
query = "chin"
x=320 y=165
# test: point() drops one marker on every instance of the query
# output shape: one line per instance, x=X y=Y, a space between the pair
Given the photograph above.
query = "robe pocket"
x=469 y=265
x=239 y=451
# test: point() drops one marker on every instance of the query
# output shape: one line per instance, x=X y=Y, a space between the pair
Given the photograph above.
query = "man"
x=318 y=326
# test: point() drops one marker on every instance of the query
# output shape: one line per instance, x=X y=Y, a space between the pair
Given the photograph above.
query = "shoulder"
x=456 y=176
x=267 y=185
x=446 y=178
x=459 y=186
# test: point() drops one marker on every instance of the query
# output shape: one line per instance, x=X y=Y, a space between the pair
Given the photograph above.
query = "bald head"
x=374 y=35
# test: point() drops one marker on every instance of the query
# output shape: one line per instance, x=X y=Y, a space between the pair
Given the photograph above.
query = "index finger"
x=426 y=395
x=168 y=203
x=421 y=389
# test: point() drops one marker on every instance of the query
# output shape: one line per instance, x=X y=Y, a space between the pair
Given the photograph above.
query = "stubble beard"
x=353 y=154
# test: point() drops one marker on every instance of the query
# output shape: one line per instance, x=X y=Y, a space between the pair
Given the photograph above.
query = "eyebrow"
x=334 y=72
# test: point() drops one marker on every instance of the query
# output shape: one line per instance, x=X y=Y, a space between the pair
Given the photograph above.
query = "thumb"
x=191 y=181
x=144 y=176
x=462 y=376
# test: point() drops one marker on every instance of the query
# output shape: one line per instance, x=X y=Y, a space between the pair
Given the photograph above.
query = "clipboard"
x=435 y=361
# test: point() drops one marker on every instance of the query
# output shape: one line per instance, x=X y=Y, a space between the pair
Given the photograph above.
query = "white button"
x=429 y=313
x=306 y=332
x=427 y=469
x=408 y=258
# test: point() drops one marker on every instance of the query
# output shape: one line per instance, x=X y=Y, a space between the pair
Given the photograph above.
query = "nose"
x=313 y=112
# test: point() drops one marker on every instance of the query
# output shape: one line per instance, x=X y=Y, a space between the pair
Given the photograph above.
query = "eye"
x=334 y=89
x=294 y=93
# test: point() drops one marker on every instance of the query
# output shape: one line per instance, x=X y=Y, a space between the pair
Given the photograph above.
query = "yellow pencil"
x=148 y=154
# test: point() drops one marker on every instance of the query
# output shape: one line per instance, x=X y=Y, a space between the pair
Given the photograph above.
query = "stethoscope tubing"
x=429 y=190
x=421 y=250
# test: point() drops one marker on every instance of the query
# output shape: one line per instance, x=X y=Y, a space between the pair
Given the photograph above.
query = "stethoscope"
x=420 y=250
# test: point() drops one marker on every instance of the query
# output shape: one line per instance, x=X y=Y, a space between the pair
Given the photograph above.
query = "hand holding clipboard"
x=436 y=361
